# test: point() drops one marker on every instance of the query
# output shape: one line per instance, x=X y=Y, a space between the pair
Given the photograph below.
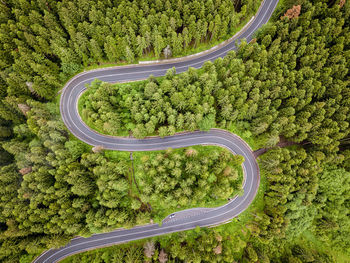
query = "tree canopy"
x=289 y=86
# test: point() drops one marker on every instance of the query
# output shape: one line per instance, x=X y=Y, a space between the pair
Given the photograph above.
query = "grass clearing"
x=247 y=215
x=236 y=224
x=314 y=243
x=235 y=227
x=159 y=212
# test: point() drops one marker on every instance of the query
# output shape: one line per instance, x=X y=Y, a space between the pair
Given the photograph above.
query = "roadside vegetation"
x=178 y=179
x=290 y=84
x=99 y=191
x=49 y=42
x=279 y=226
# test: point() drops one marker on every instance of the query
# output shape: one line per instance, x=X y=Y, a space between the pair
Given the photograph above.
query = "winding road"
x=70 y=115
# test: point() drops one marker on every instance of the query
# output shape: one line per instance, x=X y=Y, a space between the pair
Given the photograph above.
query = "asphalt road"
x=69 y=112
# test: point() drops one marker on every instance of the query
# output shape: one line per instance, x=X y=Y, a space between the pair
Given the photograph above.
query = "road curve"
x=70 y=115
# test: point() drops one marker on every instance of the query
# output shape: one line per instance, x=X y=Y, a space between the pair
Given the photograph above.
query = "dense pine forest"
x=289 y=86
x=45 y=42
x=195 y=177
x=292 y=84
x=54 y=187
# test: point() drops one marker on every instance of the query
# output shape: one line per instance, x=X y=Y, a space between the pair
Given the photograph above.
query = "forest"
x=43 y=43
x=200 y=176
x=290 y=86
x=64 y=189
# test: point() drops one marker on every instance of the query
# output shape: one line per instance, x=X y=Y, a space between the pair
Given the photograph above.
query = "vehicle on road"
x=70 y=116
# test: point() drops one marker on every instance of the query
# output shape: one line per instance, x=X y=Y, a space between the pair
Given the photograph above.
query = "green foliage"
x=185 y=178
x=203 y=245
x=149 y=107
x=289 y=85
x=42 y=44
x=55 y=189
x=332 y=223
x=124 y=253
x=293 y=85
x=292 y=177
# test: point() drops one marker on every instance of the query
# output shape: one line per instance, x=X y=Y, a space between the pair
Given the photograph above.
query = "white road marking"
x=247 y=162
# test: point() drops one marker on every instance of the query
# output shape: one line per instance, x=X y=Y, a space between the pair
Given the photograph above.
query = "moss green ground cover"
x=236 y=231
x=177 y=179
